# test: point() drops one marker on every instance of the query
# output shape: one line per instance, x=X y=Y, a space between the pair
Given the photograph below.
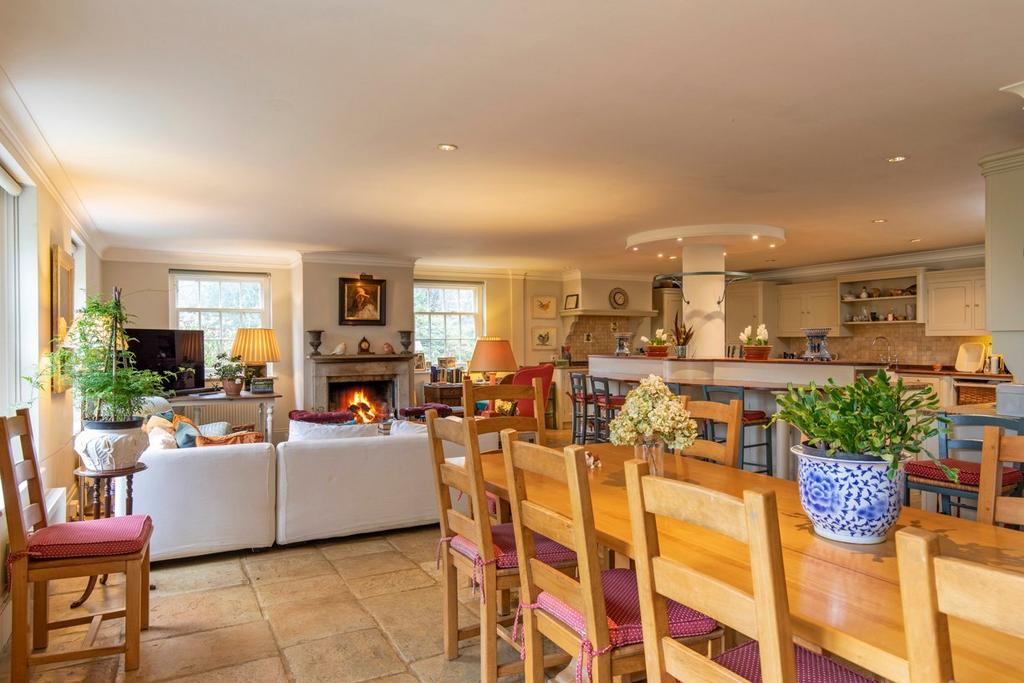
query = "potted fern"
x=859 y=436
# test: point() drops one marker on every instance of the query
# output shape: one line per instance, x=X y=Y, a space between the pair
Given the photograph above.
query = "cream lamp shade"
x=256 y=346
x=493 y=355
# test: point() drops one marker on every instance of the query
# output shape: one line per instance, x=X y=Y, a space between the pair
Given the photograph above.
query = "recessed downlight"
x=915 y=240
x=636 y=248
x=772 y=245
x=879 y=220
x=725 y=253
x=672 y=258
x=679 y=239
x=447 y=147
x=661 y=255
x=755 y=237
x=896 y=159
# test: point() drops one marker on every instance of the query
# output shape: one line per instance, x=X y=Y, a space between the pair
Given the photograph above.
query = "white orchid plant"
x=661 y=338
x=759 y=338
x=651 y=412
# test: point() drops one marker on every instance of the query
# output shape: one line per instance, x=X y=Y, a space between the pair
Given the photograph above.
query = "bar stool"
x=606 y=407
x=751 y=418
x=582 y=408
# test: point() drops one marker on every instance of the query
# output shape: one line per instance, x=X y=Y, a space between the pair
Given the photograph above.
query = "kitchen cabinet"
x=667 y=302
x=749 y=304
x=814 y=304
x=955 y=303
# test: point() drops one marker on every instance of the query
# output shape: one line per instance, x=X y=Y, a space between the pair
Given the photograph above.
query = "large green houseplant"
x=858 y=437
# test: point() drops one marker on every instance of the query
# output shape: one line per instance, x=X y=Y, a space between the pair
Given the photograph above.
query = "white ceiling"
x=261 y=127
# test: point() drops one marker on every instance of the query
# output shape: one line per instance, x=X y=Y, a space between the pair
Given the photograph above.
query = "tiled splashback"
x=594 y=334
x=909 y=341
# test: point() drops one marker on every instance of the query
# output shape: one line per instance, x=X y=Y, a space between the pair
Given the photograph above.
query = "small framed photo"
x=544 y=338
x=419 y=361
x=447 y=362
x=544 y=307
x=572 y=302
x=362 y=301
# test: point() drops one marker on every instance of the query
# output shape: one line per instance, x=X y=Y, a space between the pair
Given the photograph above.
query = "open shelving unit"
x=906 y=308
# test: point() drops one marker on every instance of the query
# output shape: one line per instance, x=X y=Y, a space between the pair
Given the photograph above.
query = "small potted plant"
x=231 y=371
x=651 y=419
x=657 y=346
x=859 y=436
x=683 y=335
x=755 y=344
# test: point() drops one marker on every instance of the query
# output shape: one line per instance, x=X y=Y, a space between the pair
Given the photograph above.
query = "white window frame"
x=11 y=393
x=176 y=275
x=478 y=295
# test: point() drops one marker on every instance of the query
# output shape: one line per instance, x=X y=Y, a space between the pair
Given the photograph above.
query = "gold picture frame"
x=62 y=307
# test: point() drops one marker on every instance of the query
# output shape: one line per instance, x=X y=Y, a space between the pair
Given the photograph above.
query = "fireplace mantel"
x=365 y=365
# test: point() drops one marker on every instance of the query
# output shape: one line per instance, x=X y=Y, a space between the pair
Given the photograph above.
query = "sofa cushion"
x=407 y=427
x=229 y=439
x=162 y=439
x=185 y=433
x=312 y=431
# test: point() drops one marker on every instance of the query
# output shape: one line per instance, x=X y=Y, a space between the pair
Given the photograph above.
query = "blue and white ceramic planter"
x=848 y=497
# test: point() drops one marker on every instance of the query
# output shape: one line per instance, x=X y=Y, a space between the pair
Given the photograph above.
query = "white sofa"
x=340 y=487
x=206 y=500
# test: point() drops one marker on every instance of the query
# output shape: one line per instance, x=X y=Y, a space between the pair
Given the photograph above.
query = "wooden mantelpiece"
x=361 y=357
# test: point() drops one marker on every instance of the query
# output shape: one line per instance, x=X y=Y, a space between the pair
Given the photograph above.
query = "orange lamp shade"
x=493 y=355
x=256 y=346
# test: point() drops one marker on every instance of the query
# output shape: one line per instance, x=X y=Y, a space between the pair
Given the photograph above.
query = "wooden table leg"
x=96 y=498
x=128 y=495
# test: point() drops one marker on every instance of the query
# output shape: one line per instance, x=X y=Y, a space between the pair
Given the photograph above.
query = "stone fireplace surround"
x=362 y=367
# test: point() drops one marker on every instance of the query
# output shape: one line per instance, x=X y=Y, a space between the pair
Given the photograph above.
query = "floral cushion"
x=745 y=660
x=92 y=538
x=622 y=606
x=970 y=472
x=504 y=539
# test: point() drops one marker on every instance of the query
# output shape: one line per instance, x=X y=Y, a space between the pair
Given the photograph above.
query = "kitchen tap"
x=890 y=358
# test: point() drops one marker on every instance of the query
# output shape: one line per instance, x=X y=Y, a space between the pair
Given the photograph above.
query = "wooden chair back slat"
x=993 y=507
x=460 y=524
x=13 y=474
x=731 y=414
x=522 y=459
x=499 y=424
x=472 y=393
x=556 y=583
x=933 y=586
x=502 y=392
x=455 y=477
x=764 y=614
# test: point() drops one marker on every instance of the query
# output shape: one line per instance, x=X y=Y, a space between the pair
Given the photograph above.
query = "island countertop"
x=767 y=361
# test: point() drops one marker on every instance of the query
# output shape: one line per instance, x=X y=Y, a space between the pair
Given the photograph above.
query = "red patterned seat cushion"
x=754 y=415
x=504 y=539
x=92 y=538
x=622 y=606
x=745 y=660
x=611 y=400
x=970 y=472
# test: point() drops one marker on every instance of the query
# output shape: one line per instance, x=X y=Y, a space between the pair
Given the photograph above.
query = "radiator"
x=234 y=412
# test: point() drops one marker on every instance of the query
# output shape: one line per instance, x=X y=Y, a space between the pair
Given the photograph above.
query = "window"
x=448 y=319
x=10 y=393
x=219 y=304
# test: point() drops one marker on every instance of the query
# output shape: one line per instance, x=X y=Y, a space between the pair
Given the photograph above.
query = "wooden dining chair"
x=772 y=657
x=41 y=552
x=730 y=414
x=597 y=616
x=532 y=393
x=470 y=544
x=934 y=587
x=993 y=506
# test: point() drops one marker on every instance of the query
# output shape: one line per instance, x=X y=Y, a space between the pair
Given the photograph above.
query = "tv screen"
x=170 y=351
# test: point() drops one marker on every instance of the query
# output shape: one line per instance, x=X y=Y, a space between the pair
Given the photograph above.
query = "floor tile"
x=418 y=545
x=413 y=620
x=344 y=658
x=95 y=671
x=195 y=653
x=269 y=670
x=286 y=565
x=175 y=615
x=297 y=622
x=326 y=586
x=397 y=678
x=197 y=574
x=353 y=547
x=392 y=582
x=368 y=565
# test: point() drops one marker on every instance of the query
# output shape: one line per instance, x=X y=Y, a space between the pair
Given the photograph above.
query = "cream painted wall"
x=146 y=294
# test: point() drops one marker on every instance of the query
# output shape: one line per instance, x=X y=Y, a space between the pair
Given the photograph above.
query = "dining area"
x=654 y=556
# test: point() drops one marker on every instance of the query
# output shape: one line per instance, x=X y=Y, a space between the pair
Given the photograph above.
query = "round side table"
x=101 y=488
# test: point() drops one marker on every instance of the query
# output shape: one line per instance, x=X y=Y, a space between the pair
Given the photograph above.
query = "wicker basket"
x=968 y=394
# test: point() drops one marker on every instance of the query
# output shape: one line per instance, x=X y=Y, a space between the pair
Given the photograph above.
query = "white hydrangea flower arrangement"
x=750 y=338
x=661 y=338
x=651 y=412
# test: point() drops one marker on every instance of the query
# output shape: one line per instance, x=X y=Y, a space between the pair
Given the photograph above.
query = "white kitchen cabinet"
x=814 y=304
x=749 y=304
x=667 y=302
x=955 y=303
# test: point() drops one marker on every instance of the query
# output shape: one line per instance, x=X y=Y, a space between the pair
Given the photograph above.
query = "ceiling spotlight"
x=661 y=255
x=679 y=239
x=636 y=248
x=672 y=258
x=879 y=220
x=915 y=240
x=447 y=147
x=725 y=253
x=755 y=237
x=772 y=245
x=896 y=159
x=769 y=260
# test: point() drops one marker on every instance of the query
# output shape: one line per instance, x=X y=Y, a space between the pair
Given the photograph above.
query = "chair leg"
x=19 y=622
x=906 y=493
x=145 y=591
x=40 y=616
x=534 y=644
x=945 y=502
x=132 y=614
x=769 y=451
x=505 y=602
x=489 y=627
x=450 y=579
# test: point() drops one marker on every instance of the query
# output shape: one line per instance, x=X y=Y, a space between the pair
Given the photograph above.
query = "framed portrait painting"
x=362 y=301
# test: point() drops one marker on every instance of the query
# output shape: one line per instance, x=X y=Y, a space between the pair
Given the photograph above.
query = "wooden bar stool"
x=606 y=407
x=751 y=418
x=582 y=402
x=40 y=553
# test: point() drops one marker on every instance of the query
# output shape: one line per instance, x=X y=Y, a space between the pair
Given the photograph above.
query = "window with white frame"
x=219 y=304
x=448 y=318
x=9 y=317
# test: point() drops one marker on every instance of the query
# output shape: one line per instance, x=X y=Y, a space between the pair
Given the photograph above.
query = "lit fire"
x=359 y=404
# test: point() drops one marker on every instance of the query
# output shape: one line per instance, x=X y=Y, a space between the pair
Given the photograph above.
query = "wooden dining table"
x=843 y=597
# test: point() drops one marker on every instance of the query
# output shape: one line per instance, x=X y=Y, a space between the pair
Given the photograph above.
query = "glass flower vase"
x=652 y=451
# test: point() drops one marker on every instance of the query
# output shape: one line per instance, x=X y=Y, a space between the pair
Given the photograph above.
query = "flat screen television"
x=170 y=351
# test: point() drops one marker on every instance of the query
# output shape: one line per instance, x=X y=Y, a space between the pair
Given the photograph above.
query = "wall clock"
x=618 y=298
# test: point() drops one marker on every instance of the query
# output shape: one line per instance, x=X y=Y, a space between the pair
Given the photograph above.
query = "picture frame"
x=544 y=338
x=419 y=361
x=543 y=307
x=62 y=306
x=362 y=301
x=572 y=302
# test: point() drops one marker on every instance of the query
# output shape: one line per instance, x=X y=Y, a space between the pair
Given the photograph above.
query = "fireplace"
x=371 y=400
x=386 y=379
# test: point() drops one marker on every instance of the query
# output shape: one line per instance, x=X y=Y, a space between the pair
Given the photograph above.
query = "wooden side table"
x=101 y=487
x=441 y=392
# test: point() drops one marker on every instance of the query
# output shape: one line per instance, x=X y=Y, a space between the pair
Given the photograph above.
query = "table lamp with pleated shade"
x=257 y=346
x=493 y=355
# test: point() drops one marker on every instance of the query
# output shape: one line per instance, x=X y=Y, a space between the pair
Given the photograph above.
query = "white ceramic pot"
x=105 y=446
